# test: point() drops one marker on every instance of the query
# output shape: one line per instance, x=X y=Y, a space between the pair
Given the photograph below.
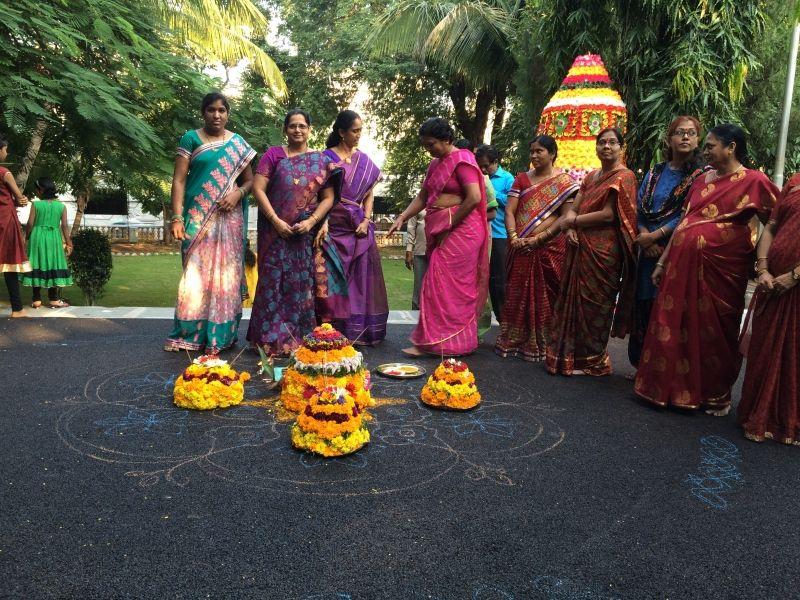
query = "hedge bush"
x=91 y=263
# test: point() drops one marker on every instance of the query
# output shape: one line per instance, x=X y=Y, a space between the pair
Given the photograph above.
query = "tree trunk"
x=472 y=127
x=500 y=112
x=166 y=210
x=34 y=145
x=81 y=200
x=458 y=96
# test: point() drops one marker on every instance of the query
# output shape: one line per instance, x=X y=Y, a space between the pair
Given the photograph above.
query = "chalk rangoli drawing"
x=123 y=413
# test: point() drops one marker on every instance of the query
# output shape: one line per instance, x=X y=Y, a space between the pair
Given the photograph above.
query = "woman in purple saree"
x=295 y=188
x=354 y=299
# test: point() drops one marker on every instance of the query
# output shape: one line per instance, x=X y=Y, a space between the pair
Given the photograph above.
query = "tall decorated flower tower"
x=583 y=105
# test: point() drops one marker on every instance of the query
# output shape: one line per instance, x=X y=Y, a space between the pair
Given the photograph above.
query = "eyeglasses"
x=685 y=133
x=610 y=143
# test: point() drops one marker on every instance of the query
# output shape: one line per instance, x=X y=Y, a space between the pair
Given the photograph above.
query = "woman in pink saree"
x=455 y=285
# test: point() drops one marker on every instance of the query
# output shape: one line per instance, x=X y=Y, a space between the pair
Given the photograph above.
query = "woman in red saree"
x=770 y=405
x=536 y=254
x=690 y=358
x=457 y=234
x=596 y=297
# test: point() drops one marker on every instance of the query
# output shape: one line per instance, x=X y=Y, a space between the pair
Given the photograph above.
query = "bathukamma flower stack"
x=585 y=104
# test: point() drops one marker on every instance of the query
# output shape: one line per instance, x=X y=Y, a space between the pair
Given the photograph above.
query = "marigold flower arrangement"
x=452 y=385
x=209 y=383
x=330 y=424
x=326 y=358
x=583 y=105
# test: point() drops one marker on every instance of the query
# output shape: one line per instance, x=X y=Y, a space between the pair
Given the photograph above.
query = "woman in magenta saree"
x=210 y=219
x=596 y=297
x=536 y=254
x=690 y=358
x=770 y=405
x=295 y=188
x=456 y=283
x=354 y=300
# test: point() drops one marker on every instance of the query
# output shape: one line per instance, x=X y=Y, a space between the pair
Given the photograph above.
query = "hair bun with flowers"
x=452 y=386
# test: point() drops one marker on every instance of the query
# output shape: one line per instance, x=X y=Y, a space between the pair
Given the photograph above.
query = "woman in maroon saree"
x=690 y=358
x=354 y=297
x=596 y=297
x=455 y=286
x=770 y=405
x=536 y=254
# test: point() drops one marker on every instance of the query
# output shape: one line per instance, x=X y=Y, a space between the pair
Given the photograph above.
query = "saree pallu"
x=533 y=277
x=283 y=308
x=209 y=305
x=455 y=286
x=596 y=296
x=770 y=404
x=661 y=200
x=354 y=300
x=690 y=357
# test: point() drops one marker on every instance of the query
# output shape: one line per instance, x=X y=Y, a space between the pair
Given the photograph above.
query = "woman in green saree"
x=211 y=181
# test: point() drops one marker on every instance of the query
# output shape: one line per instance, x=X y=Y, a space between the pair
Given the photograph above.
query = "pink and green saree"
x=209 y=305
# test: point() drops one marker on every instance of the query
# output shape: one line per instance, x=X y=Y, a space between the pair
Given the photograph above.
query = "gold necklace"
x=295 y=179
x=349 y=158
x=734 y=172
x=208 y=137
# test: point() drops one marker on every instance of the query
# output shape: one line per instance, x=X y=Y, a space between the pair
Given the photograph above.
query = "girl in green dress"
x=46 y=247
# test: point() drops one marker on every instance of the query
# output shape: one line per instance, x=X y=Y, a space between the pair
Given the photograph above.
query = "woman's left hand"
x=572 y=237
x=363 y=228
x=441 y=237
x=303 y=227
x=783 y=283
x=229 y=201
x=320 y=237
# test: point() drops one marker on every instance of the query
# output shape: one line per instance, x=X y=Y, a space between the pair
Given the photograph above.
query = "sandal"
x=36 y=304
x=59 y=304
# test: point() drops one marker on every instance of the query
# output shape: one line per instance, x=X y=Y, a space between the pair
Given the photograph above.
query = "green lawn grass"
x=153 y=281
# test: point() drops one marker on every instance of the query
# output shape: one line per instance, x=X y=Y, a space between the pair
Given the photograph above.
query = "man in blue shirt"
x=488 y=159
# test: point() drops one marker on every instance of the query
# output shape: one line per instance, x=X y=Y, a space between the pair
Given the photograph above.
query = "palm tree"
x=221 y=30
x=468 y=41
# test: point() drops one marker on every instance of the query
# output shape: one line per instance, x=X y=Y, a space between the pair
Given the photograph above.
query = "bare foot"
x=718 y=413
x=16 y=314
x=413 y=352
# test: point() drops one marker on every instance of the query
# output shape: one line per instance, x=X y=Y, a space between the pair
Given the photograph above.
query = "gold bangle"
x=660 y=264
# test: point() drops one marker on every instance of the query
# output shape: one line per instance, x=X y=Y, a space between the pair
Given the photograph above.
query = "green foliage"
x=105 y=76
x=90 y=263
x=763 y=103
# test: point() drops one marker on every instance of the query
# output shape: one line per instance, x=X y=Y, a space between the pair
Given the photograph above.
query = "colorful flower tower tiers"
x=330 y=424
x=452 y=385
x=326 y=358
x=583 y=105
x=209 y=382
